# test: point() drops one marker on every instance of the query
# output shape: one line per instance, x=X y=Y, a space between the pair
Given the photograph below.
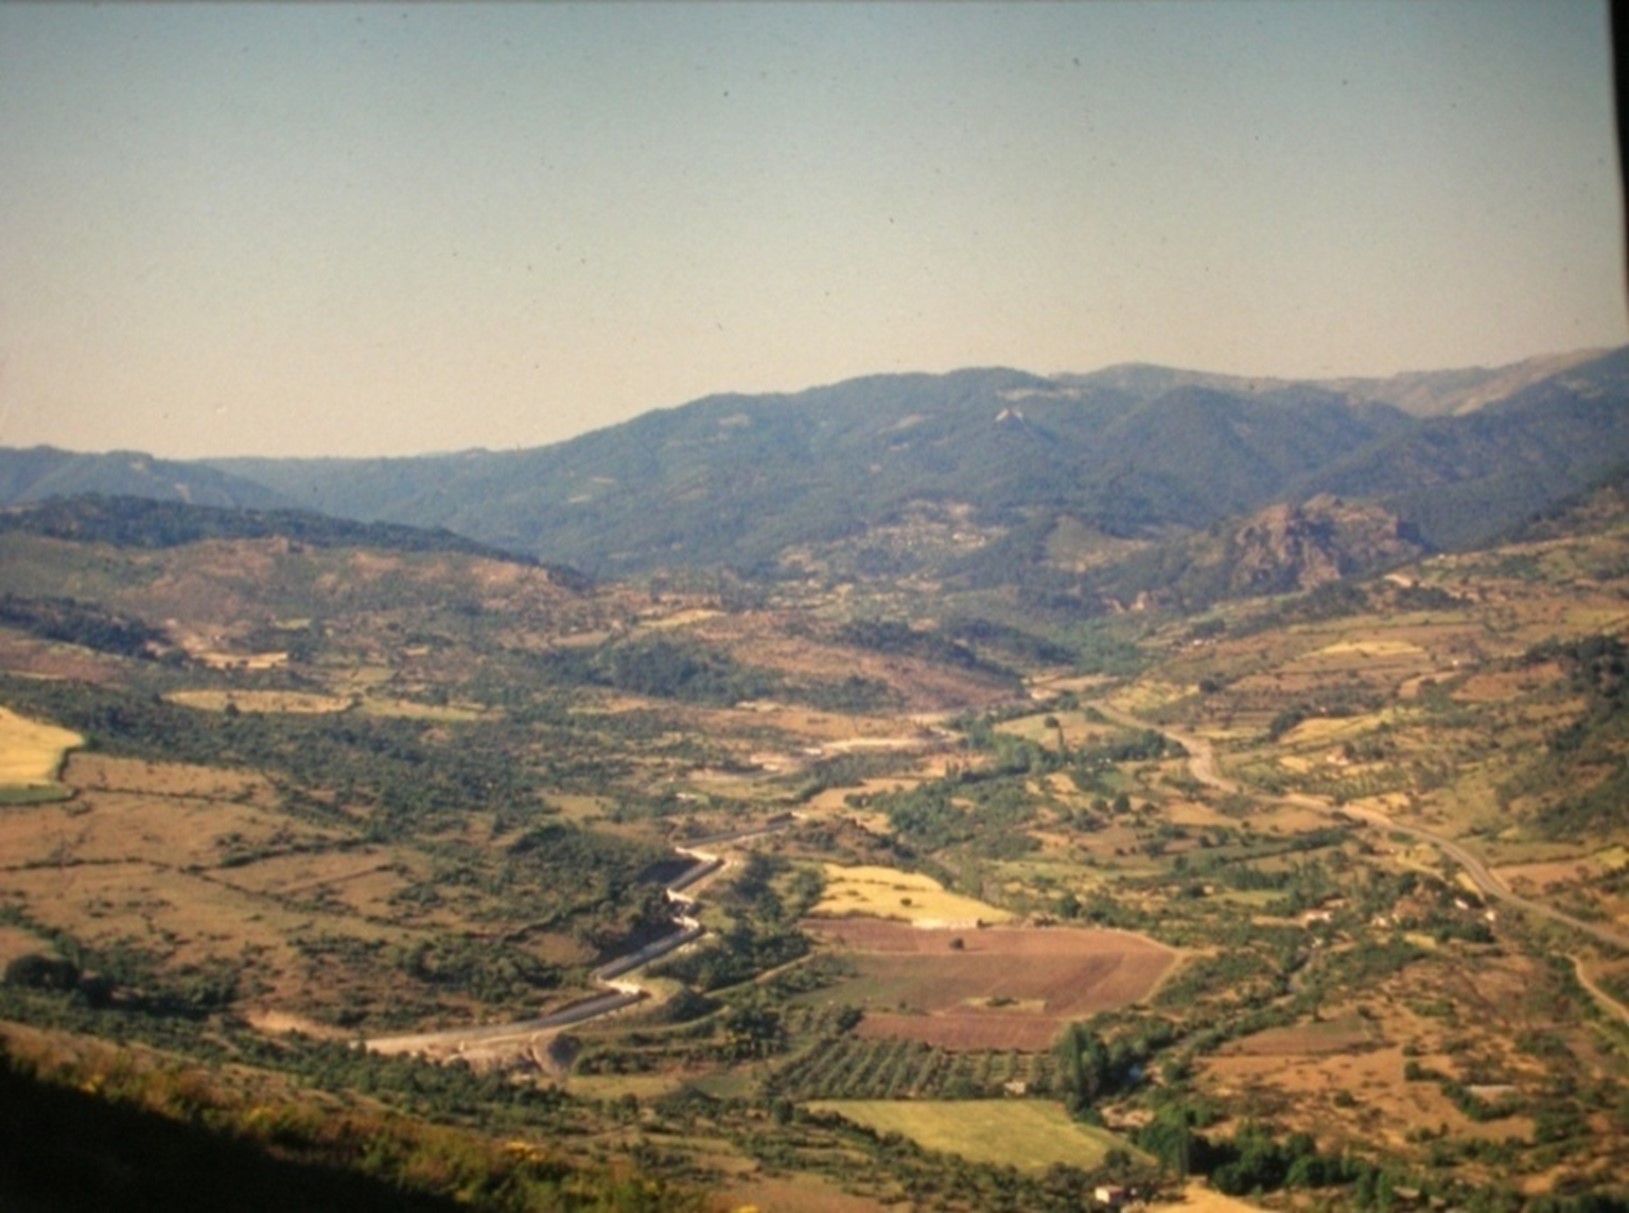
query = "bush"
x=36 y=971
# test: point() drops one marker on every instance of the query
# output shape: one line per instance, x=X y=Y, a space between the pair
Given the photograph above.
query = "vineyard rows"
x=849 y=1067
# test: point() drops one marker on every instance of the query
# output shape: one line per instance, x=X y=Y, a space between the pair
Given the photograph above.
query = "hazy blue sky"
x=326 y=229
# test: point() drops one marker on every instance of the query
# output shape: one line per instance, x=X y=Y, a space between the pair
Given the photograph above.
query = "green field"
x=1029 y=1134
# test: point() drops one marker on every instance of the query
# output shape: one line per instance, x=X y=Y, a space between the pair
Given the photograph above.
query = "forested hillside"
x=995 y=473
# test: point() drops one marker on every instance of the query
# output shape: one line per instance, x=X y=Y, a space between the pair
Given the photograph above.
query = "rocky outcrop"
x=1297 y=547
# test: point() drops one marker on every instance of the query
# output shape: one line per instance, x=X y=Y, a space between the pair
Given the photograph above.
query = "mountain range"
x=976 y=477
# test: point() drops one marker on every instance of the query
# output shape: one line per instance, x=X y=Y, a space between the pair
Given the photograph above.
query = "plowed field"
x=995 y=988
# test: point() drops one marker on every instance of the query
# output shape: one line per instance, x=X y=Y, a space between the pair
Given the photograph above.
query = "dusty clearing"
x=1197 y=1198
x=997 y=988
x=276 y=1023
x=30 y=751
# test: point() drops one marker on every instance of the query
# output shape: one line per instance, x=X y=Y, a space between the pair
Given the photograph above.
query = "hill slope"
x=737 y=479
x=1463 y=478
x=42 y=472
x=896 y=474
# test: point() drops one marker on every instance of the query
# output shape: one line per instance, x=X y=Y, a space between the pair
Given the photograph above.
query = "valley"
x=824 y=886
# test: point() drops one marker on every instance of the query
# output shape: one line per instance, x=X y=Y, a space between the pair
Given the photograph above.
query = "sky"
x=325 y=229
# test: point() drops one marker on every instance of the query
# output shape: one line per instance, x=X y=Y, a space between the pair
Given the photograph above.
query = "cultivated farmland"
x=996 y=988
x=31 y=753
x=912 y=897
x=1030 y=1135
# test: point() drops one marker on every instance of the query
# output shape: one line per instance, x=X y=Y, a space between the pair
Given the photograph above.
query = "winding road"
x=528 y=1036
x=1202 y=763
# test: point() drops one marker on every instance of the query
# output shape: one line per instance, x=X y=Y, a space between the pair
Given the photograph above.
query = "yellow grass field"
x=1081 y=684
x=407 y=709
x=908 y=896
x=1327 y=730
x=579 y=808
x=835 y=800
x=1077 y=729
x=217 y=660
x=291 y=702
x=1290 y=819
x=797 y=1192
x=1030 y=1134
x=679 y=619
x=31 y=752
x=615 y=1086
x=1147 y=696
x=1371 y=648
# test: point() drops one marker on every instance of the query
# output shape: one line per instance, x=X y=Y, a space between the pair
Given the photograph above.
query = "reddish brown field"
x=1001 y=988
x=46 y=659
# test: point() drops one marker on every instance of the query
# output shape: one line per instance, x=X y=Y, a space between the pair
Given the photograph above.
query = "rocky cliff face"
x=1298 y=547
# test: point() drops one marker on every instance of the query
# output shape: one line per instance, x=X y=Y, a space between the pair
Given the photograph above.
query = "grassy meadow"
x=1028 y=1134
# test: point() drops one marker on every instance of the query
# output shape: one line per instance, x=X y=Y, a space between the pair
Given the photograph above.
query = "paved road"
x=620 y=991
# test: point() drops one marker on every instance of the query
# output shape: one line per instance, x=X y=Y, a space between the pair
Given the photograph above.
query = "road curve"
x=619 y=991
x=1202 y=763
x=1600 y=995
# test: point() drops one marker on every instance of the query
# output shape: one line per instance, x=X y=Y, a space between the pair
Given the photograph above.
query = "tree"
x=36 y=971
x=1170 y=1138
x=753 y=1030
